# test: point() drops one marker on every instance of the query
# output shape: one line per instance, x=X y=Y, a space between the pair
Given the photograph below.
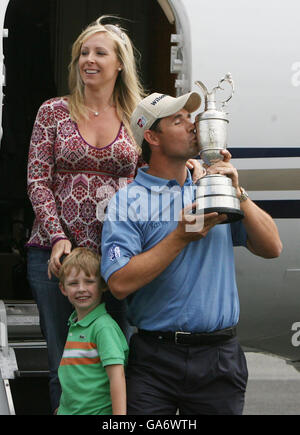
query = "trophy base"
x=215 y=193
x=233 y=215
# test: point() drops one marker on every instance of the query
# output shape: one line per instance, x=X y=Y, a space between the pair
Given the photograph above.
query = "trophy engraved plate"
x=215 y=192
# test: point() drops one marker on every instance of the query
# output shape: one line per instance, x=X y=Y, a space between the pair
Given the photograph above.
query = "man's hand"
x=193 y=227
x=62 y=247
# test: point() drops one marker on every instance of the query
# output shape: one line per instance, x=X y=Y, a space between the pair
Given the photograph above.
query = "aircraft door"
x=180 y=62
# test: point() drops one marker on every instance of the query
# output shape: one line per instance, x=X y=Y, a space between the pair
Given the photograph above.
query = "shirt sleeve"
x=112 y=346
x=238 y=233
x=40 y=171
x=122 y=237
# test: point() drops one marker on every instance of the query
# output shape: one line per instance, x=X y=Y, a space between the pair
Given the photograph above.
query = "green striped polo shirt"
x=93 y=343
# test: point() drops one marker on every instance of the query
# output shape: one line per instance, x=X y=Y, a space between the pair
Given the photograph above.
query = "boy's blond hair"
x=82 y=259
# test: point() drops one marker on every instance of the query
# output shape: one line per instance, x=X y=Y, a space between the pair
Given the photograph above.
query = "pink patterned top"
x=70 y=181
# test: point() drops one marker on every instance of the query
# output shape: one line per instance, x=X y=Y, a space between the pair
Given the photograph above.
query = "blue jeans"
x=55 y=310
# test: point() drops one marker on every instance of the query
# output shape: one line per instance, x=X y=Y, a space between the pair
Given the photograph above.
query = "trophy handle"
x=203 y=87
x=228 y=79
x=210 y=96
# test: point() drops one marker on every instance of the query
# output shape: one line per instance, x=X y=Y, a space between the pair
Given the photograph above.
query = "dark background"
x=37 y=53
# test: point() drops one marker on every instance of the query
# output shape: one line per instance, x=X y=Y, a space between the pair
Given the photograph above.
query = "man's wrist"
x=177 y=240
x=242 y=194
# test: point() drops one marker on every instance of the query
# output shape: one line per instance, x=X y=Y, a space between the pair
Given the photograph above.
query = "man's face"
x=177 y=137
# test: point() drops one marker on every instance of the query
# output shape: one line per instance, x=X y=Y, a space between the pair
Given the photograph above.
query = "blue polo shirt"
x=197 y=292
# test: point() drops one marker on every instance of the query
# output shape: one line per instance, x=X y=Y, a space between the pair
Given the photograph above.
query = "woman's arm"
x=40 y=172
x=198 y=170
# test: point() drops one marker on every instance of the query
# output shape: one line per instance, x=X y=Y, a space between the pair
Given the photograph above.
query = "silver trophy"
x=215 y=192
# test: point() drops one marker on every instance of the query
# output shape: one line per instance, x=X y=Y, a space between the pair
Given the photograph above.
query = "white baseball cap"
x=157 y=106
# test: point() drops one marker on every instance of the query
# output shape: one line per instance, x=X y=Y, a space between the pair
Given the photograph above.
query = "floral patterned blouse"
x=70 y=181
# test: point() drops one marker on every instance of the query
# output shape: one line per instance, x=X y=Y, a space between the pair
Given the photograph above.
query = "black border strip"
x=281 y=209
x=250 y=153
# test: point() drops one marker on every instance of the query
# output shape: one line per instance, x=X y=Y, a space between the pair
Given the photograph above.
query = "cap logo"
x=141 y=121
x=157 y=99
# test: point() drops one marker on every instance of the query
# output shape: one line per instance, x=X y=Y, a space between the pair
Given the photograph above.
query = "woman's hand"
x=62 y=247
x=199 y=171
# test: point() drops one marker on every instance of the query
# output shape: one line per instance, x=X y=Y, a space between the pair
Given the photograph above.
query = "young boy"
x=91 y=371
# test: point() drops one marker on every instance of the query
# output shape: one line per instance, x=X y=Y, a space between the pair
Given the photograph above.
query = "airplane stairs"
x=23 y=360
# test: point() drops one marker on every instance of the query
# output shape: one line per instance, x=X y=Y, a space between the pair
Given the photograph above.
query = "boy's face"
x=82 y=291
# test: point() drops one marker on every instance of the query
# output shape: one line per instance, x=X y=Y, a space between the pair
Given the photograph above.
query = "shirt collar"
x=90 y=317
x=149 y=181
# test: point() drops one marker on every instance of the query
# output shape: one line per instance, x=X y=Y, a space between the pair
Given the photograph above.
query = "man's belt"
x=190 y=338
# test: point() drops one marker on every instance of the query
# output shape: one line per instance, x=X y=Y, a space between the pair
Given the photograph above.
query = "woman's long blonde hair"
x=128 y=90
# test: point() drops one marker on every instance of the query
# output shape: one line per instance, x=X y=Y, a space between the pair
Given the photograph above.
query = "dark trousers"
x=55 y=310
x=164 y=377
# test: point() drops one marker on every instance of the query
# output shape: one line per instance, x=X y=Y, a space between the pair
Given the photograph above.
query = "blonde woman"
x=81 y=146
